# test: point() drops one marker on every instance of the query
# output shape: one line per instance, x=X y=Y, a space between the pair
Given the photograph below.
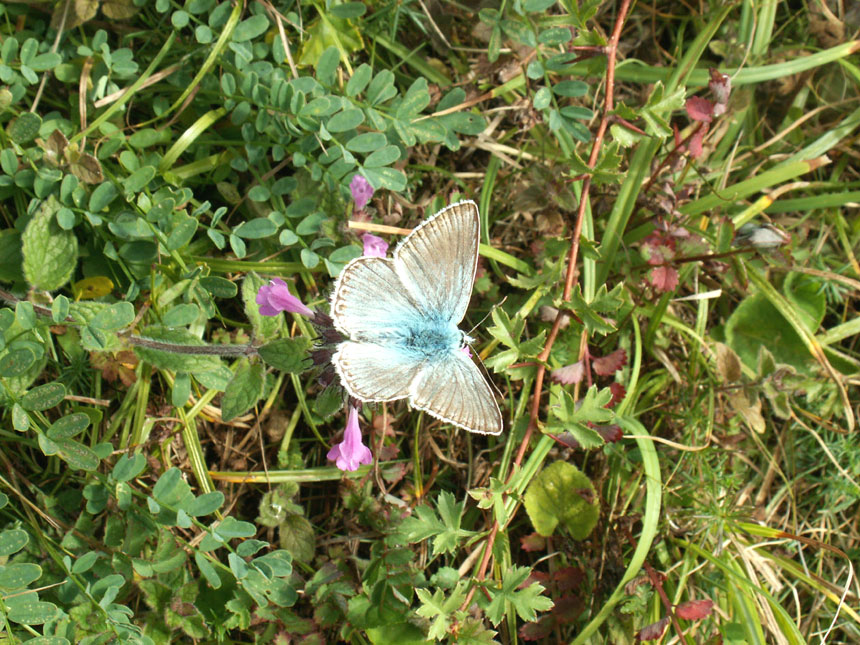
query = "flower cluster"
x=274 y=298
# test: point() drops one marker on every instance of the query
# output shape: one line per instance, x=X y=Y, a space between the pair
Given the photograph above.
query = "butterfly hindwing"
x=455 y=391
x=437 y=261
x=372 y=372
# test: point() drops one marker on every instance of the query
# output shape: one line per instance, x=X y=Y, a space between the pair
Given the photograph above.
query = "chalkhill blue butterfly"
x=400 y=316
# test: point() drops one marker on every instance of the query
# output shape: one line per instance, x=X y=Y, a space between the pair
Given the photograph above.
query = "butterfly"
x=400 y=316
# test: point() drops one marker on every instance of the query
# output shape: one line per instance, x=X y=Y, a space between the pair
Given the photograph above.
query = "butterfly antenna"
x=487 y=315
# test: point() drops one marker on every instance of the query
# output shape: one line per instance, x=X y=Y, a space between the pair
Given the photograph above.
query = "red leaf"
x=610 y=434
x=610 y=363
x=568 y=578
x=540 y=629
x=696 y=142
x=533 y=542
x=700 y=109
x=663 y=278
x=567 y=608
x=694 y=609
x=677 y=134
x=658 y=248
x=569 y=374
x=653 y=631
x=618 y=394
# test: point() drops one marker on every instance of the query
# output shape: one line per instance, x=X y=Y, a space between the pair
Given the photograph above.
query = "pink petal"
x=374 y=247
x=275 y=297
x=350 y=453
x=361 y=191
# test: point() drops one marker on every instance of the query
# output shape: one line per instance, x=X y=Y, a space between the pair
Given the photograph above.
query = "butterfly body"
x=401 y=315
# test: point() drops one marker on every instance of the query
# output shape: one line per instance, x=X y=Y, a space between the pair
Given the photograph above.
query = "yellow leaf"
x=92 y=288
x=119 y=9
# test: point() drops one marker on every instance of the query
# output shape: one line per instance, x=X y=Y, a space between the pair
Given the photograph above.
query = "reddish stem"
x=611 y=50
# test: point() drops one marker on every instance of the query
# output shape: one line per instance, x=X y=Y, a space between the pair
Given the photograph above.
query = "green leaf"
x=27 y=610
x=77 y=455
x=68 y=426
x=171 y=361
x=445 y=529
x=526 y=601
x=327 y=65
x=348 y=10
x=205 y=504
x=366 y=142
x=256 y=229
x=416 y=99
x=25 y=128
x=345 y=120
x=43 y=397
x=382 y=157
x=359 y=80
x=288 y=355
x=102 y=196
x=542 y=98
x=207 y=570
x=243 y=390
x=389 y=178
x=12 y=541
x=439 y=610
x=10 y=255
x=570 y=88
x=230 y=528
x=127 y=468
x=381 y=88
x=562 y=495
x=17 y=575
x=594 y=322
x=250 y=28
x=567 y=416
x=329 y=401
x=139 y=179
x=171 y=489
x=296 y=535
x=50 y=253
x=16 y=362
x=182 y=233
x=116 y=316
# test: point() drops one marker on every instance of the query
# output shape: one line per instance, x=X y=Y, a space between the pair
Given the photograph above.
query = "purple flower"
x=361 y=191
x=275 y=297
x=350 y=453
x=374 y=247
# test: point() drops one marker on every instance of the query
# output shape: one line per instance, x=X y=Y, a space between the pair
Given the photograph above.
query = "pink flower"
x=465 y=349
x=361 y=191
x=350 y=453
x=275 y=297
x=374 y=247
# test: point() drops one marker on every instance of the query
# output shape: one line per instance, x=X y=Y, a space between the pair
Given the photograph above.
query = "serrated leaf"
x=243 y=390
x=288 y=355
x=50 y=253
x=296 y=535
x=526 y=602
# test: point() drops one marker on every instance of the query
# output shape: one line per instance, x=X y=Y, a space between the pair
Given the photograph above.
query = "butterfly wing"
x=455 y=391
x=372 y=372
x=370 y=302
x=437 y=261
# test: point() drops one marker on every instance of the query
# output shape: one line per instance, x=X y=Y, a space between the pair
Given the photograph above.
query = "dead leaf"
x=88 y=169
x=728 y=364
x=119 y=9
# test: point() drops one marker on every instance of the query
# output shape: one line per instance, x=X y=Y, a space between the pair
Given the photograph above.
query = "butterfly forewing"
x=370 y=302
x=455 y=391
x=437 y=262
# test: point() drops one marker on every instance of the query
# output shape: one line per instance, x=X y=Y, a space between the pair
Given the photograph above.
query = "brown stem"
x=611 y=50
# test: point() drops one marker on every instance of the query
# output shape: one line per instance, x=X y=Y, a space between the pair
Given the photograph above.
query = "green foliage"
x=562 y=495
